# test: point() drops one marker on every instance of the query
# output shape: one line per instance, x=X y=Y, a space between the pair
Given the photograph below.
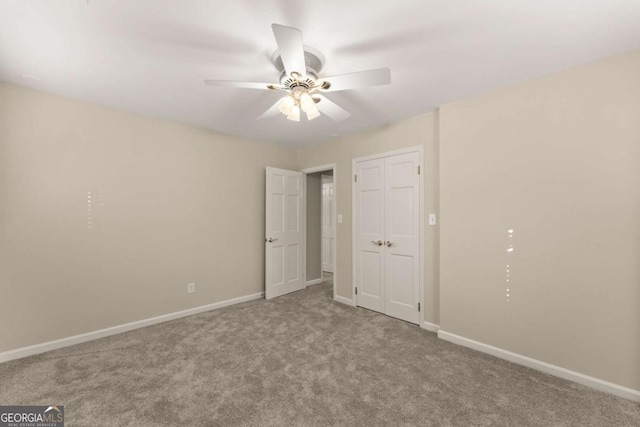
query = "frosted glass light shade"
x=306 y=102
x=286 y=104
x=294 y=114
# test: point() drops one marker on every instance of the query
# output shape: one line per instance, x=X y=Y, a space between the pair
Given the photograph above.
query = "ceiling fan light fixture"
x=299 y=66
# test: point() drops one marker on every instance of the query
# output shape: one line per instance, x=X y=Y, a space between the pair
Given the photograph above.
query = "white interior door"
x=402 y=233
x=283 y=226
x=328 y=227
x=369 y=234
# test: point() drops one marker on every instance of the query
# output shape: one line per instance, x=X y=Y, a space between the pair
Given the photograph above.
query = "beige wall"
x=419 y=130
x=556 y=159
x=170 y=204
x=314 y=226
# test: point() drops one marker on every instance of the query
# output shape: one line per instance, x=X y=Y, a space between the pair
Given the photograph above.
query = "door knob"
x=271 y=240
x=389 y=243
x=379 y=242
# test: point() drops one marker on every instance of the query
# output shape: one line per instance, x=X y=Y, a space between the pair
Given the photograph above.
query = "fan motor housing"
x=313 y=60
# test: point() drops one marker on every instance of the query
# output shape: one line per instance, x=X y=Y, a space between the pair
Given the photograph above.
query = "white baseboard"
x=89 y=336
x=313 y=282
x=430 y=326
x=344 y=300
x=598 y=384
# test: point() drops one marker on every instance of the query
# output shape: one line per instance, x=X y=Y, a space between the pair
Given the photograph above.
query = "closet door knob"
x=379 y=242
x=271 y=240
x=389 y=243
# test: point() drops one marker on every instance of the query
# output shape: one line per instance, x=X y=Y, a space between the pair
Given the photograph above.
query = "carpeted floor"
x=301 y=359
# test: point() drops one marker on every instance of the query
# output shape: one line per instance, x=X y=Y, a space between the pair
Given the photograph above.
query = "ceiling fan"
x=299 y=66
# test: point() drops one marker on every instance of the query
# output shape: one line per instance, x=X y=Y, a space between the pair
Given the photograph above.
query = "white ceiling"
x=151 y=56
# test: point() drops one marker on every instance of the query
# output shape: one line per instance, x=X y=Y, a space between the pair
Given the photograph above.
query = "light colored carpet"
x=301 y=359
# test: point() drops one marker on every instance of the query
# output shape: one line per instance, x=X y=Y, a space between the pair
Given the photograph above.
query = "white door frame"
x=307 y=171
x=354 y=216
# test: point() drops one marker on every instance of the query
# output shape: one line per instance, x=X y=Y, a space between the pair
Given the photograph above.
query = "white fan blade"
x=377 y=77
x=245 y=85
x=291 y=49
x=331 y=109
x=273 y=111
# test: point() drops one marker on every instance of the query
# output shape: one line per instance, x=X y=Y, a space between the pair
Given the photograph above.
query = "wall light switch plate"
x=339 y=219
x=432 y=219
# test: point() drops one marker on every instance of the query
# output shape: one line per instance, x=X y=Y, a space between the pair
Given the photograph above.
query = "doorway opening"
x=320 y=225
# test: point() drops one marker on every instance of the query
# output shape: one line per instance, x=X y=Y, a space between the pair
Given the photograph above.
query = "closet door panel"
x=370 y=201
x=402 y=234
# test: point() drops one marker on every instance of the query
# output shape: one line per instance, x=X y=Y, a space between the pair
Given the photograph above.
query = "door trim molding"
x=421 y=253
x=343 y=300
x=307 y=171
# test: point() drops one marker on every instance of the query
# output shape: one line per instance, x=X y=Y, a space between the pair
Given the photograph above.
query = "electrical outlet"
x=191 y=287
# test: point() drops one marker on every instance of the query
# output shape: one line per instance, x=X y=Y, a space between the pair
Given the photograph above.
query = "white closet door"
x=328 y=227
x=402 y=234
x=283 y=227
x=369 y=231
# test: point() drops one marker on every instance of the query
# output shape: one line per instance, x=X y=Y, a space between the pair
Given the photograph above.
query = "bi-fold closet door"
x=387 y=235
